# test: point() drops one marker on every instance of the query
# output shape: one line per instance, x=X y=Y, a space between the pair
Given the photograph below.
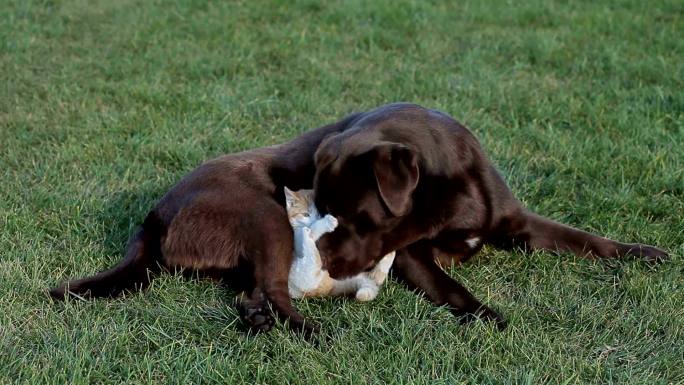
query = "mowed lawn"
x=104 y=105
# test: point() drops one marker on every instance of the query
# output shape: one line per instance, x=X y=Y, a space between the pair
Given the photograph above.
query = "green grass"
x=105 y=104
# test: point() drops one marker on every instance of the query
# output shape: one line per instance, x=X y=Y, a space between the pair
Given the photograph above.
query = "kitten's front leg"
x=324 y=225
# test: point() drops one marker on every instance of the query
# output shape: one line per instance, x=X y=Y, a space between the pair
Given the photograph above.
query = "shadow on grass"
x=123 y=212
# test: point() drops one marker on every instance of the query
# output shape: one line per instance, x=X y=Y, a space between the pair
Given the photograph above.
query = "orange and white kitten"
x=307 y=277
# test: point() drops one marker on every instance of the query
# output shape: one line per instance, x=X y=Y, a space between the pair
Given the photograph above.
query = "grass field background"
x=104 y=105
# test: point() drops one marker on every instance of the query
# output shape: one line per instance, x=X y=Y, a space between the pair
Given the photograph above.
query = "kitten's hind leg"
x=381 y=270
x=367 y=291
x=363 y=288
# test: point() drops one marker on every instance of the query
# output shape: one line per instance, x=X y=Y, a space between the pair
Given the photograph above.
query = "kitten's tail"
x=134 y=272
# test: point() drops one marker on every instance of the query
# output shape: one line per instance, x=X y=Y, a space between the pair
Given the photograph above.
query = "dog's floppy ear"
x=396 y=172
x=325 y=153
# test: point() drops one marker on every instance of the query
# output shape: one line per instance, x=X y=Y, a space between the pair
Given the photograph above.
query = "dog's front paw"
x=490 y=315
x=58 y=293
x=486 y=314
x=256 y=316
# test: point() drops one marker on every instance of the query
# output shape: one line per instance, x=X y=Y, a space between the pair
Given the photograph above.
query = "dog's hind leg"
x=532 y=231
x=134 y=272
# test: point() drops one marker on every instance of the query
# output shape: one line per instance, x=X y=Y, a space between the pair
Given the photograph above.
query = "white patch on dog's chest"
x=473 y=242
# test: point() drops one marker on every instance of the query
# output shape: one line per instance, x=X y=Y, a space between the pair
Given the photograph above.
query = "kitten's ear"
x=289 y=197
x=307 y=195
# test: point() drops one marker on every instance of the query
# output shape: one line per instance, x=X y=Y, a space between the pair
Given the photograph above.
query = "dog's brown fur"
x=414 y=180
x=399 y=177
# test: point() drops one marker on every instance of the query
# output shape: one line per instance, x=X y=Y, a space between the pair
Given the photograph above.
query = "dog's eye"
x=306 y=215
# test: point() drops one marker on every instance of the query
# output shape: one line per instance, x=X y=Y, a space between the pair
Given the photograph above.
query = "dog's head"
x=367 y=183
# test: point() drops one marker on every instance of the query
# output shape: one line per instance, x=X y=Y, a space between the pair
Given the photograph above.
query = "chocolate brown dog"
x=414 y=180
x=399 y=177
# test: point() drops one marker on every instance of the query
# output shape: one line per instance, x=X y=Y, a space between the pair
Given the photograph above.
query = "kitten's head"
x=300 y=207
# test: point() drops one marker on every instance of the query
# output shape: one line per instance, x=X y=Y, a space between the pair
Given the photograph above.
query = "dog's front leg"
x=271 y=252
x=416 y=268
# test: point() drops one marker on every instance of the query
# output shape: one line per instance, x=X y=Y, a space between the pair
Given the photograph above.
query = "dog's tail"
x=134 y=272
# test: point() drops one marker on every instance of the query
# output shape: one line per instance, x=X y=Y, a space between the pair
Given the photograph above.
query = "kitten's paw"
x=330 y=222
x=365 y=294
